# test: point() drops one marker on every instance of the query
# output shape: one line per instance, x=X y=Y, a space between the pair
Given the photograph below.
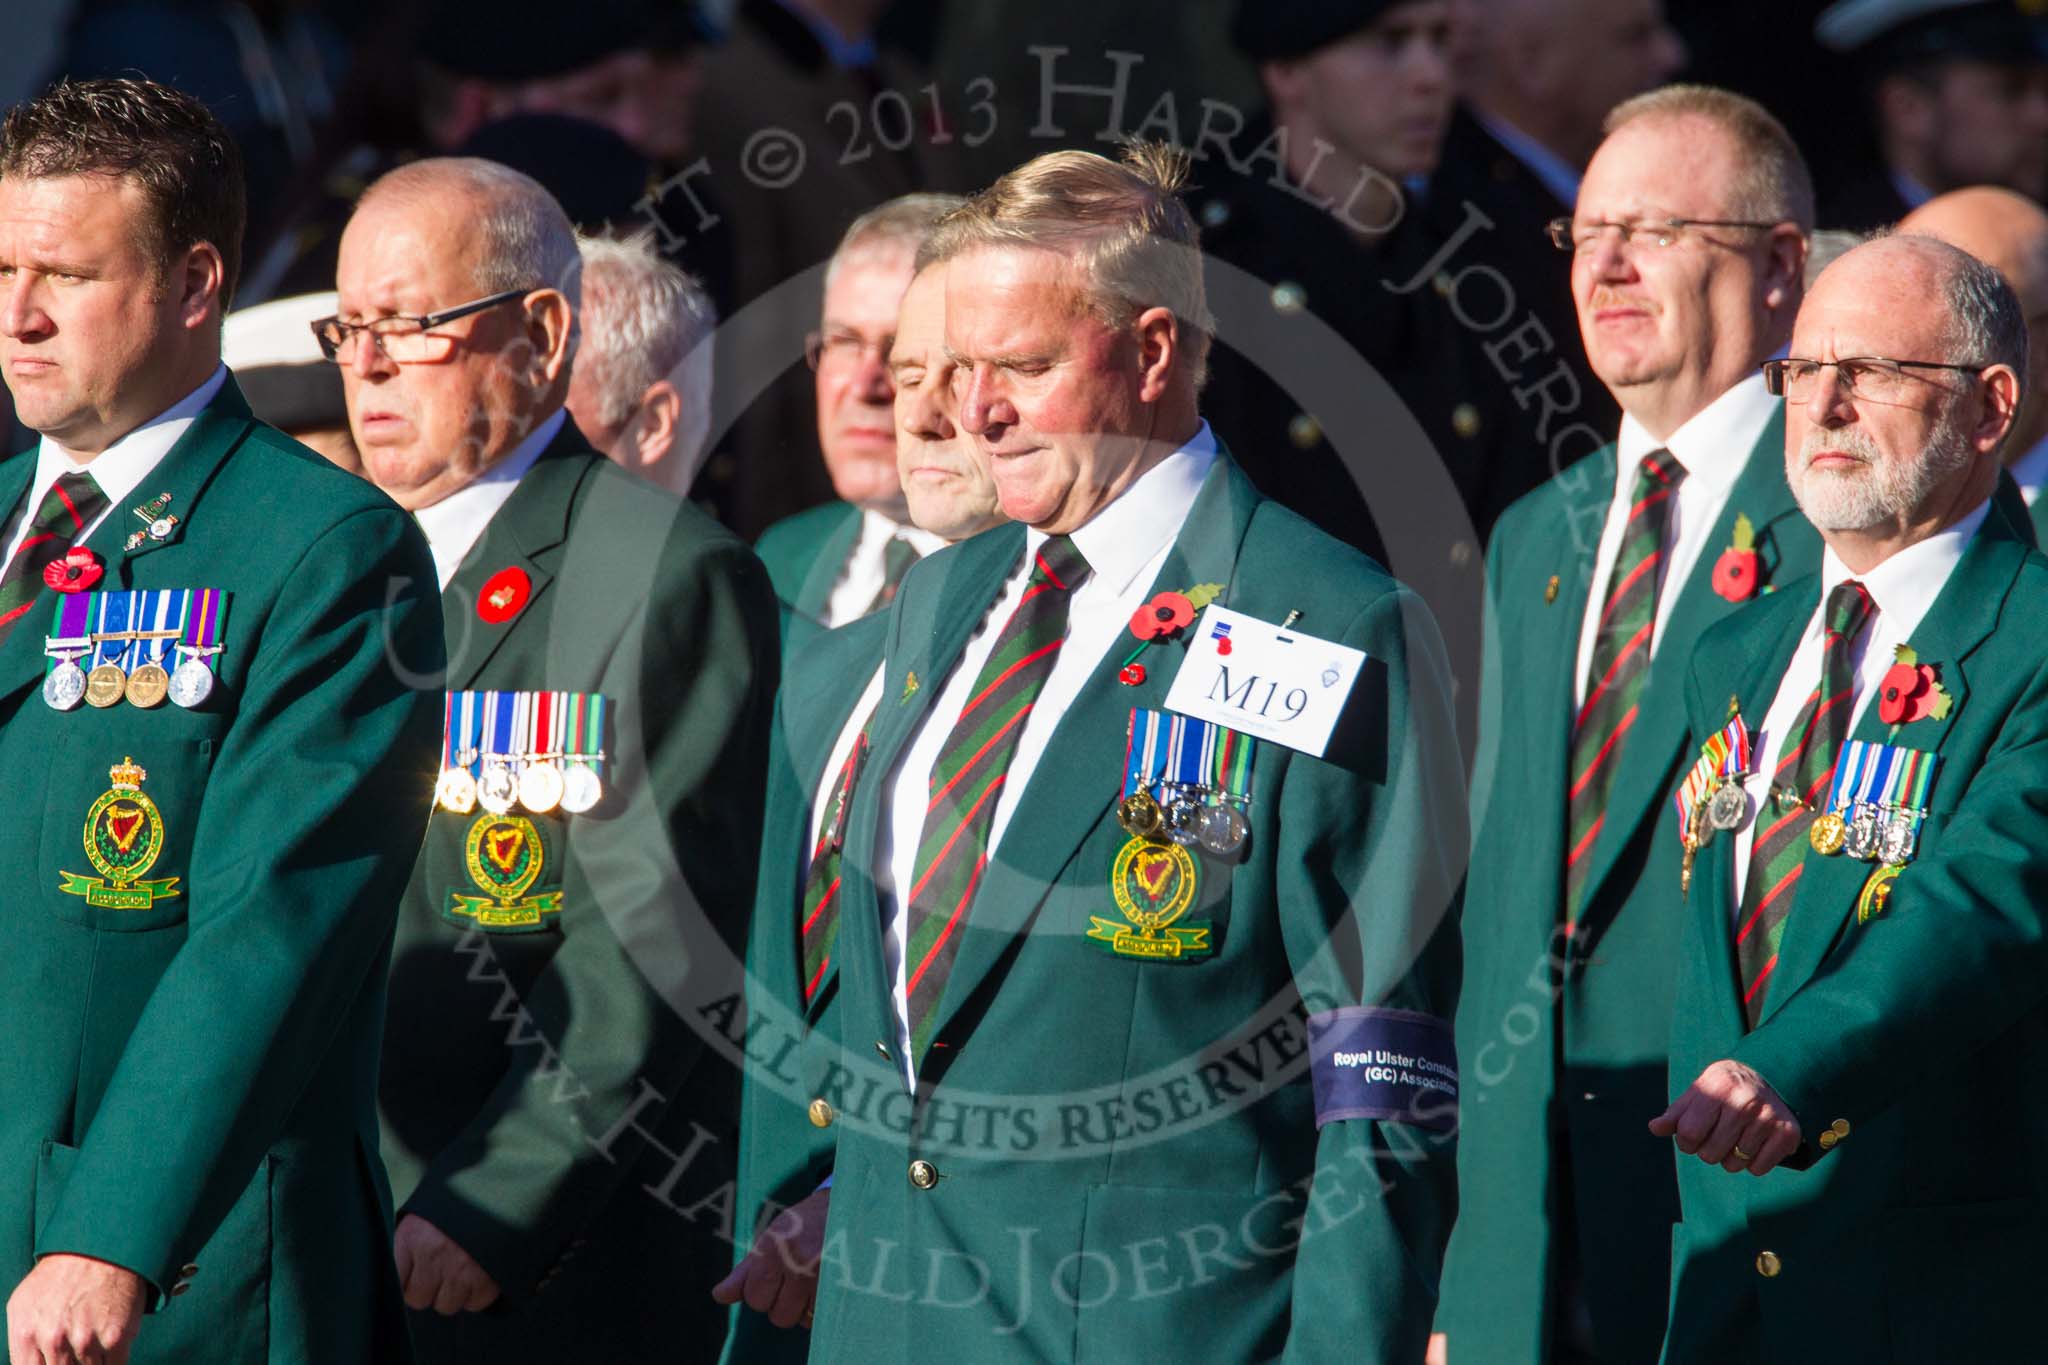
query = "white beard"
x=1878 y=490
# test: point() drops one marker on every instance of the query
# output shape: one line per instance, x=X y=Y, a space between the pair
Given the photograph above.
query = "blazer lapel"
x=824 y=571
x=533 y=522
x=1966 y=611
x=1653 y=751
x=183 y=473
x=1075 y=784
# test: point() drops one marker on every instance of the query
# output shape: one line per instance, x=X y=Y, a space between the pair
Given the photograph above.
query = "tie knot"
x=1849 y=606
x=1660 y=469
x=1060 y=563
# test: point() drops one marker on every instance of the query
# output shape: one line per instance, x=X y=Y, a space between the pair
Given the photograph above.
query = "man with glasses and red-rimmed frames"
x=1686 y=251
x=1856 y=1044
x=840 y=561
x=548 y=1111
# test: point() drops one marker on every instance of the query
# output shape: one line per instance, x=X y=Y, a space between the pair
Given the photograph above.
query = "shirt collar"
x=1715 y=442
x=120 y=469
x=877 y=529
x=1556 y=174
x=2030 y=470
x=1905 y=586
x=460 y=518
x=1121 y=539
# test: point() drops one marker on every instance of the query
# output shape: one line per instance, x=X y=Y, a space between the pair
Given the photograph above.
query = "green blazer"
x=552 y=1098
x=2037 y=516
x=785 y=1141
x=1921 y=1034
x=1078 y=1109
x=804 y=554
x=1563 y=1045
x=189 y=1089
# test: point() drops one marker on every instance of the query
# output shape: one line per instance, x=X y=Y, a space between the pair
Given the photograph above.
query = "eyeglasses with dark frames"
x=1876 y=378
x=1577 y=238
x=404 y=340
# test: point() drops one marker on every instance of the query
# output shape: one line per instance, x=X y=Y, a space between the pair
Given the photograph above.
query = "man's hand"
x=435 y=1273
x=1439 y=1350
x=74 y=1310
x=1730 y=1118
x=779 y=1276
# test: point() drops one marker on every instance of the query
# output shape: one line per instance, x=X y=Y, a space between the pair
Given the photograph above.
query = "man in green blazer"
x=554 y=1121
x=1856 y=1047
x=792 y=969
x=206 y=707
x=839 y=562
x=2009 y=232
x=1598 y=585
x=1097 y=1100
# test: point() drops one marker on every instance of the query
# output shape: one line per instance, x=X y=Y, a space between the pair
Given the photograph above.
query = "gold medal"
x=456 y=791
x=105 y=685
x=1140 y=815
x=1828 y=834
x=147 y=686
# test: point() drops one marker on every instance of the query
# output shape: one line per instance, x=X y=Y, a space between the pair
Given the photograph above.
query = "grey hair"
x=901 y=224
x=1986 y=324
x=642 y=319
x=526 y=240
x=1772 y=182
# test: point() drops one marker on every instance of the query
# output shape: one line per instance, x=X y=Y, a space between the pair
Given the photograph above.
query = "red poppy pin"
x=1735 y=573
x=77 y=571
x=505 y=592
x=1911 y=690
x=1164 y=618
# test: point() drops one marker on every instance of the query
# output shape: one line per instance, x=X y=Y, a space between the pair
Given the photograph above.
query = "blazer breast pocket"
x=117 y=840
x=509 y=872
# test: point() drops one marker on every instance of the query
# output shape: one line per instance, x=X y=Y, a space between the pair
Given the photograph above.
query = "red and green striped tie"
x=1621 y=661
x=1806 y=765
x=819 y=925
x=70 y=506
x=968 y=779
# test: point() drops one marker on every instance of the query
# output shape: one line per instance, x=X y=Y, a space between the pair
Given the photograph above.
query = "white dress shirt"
x=866 y=567
x=1125 y=545
x=1714 y=449
x=2030 y=471
x=119 y=469
x=455 y=523
x=1901 y=589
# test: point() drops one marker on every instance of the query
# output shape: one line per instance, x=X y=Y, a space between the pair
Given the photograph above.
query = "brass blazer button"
x=821 y=1113
x=923 y=1174
x=1768 y=1265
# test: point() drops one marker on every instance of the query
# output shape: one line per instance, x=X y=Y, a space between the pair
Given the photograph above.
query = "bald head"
x=2009 y=232
x=511 y=230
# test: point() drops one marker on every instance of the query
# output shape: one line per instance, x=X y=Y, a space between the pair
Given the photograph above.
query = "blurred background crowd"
x=739 y=138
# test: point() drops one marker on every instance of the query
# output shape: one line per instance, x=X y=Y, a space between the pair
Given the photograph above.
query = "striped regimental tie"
x=1621 y=661
x=70 y=506
x=968 y=779
x=1806 y=765
x=898 y=555
x=819 y=925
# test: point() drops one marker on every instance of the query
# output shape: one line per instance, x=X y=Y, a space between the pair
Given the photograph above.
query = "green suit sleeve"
x=312 y=815
x=1370 y=917
x=662 y=888
x=1958 y=957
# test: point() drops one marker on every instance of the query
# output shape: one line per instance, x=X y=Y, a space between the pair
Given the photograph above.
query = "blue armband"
x=1396 y=1065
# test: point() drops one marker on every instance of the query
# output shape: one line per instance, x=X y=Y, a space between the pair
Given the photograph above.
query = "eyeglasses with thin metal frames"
x=335 y=336
x=1661 y=232
x=1877 y=377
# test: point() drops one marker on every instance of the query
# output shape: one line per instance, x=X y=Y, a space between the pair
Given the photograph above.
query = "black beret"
x=507 y=41
x=1277 y=30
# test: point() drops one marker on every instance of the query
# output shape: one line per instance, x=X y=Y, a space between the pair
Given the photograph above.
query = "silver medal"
x=1223 y=830
x=581 y=788
x=1729 y=806
x=1901 y=832
x=1865 y=835
x=191 y=683
x=64 y=688
x=540 y=787
x=497 y=791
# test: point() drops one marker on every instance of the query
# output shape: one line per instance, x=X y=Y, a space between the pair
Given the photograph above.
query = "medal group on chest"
x=140 y=647
x=542 y=751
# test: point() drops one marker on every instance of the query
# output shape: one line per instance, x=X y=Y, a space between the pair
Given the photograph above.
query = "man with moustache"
x=1856 y=1045
x=786 y=1117
x=2008 y=232
x=840 y=561
x=207 y=831
x=1686 y=254
x=549 y=1107
x=1013 y=936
